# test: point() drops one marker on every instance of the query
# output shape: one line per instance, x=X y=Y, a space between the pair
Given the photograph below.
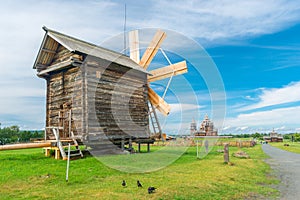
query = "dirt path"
x=287 y=167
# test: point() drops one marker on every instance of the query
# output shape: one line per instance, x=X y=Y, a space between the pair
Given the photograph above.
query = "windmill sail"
x=152 y=49
x=157 y=74
x=134 y=46
x=158 y=102
x=168 y=71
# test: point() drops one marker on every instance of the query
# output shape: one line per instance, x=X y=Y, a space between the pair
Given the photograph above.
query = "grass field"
x=27 y=174
x=293 y=146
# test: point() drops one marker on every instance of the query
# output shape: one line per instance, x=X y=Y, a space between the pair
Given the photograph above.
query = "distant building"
x=273 y=137
x=193 y=127
x=206 y=128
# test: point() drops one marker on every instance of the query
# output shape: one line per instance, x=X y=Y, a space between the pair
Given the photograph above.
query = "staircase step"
x=73 y=152
x=75 y=155
x=71 y=146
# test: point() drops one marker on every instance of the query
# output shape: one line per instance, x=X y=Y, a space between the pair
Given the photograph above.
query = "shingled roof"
x=52 y=39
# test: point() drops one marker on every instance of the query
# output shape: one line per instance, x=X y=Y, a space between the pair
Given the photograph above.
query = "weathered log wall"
x=104 y=99
x=62 y=54
x=64 y=94
x=117 y=100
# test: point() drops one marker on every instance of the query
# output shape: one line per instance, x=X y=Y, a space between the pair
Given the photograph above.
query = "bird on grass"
x=139 y=183
x=124 y=183
x=151 y=190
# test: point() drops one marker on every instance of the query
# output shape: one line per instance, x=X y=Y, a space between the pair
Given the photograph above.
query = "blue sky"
x=255 y=46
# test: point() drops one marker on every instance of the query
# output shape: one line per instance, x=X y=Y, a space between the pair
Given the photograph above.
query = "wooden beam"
x=134 y=46
x=55 y=67
x=158 y=102
x=168 y=71
x=41 y=66
x=25 y=146
x=48 y=50
x=152 y=48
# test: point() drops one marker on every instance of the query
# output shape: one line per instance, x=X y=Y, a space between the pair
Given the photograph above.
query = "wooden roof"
x=51 y=42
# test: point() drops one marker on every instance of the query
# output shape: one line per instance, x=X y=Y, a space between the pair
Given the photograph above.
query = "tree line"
x=13 y=134
x=259 y=136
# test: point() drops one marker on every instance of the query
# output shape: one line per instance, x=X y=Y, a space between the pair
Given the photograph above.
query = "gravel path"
x=287 y=167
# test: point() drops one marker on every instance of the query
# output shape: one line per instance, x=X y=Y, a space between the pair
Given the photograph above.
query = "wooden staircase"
x=60 y=146
x=154 y=121
x=74 y=153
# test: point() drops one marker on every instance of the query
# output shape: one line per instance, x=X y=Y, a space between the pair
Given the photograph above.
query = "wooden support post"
x=197 y=149
x=206 y=146
x=45 y=134
x=122 y=144
x=57 y=154
x=148 y=147
x=139 y=147
x=130 y=143
x=226 y=153
x=70 y=123
x=47 y=151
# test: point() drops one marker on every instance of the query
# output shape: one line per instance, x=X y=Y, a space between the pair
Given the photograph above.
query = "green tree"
x=15 y=128
x=287 y=136
x=297 y=137
x=257 y=135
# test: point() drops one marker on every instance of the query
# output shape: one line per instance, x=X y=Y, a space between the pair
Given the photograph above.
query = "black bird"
x=123 y=183
x=151 y=190
x=139 y=183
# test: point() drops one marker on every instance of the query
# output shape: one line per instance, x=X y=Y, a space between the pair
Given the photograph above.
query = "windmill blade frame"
x=168 y=71
x=158 y=102
x=152 y=49
x=134 y=46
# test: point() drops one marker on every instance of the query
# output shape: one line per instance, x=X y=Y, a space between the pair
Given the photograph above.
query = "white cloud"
x=184 y=107
x=225 y=19
x=248 y=97
x=276 y=96
x=241 y=128
x=226 y=128
x=280 y=128
x=288 y=117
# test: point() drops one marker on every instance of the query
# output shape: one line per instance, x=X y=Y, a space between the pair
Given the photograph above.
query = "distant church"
x=206 y=128
x=273 y=137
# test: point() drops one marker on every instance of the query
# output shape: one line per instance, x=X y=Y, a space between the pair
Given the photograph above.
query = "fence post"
x=68 y=163
x=226 y=153
x=197 y=149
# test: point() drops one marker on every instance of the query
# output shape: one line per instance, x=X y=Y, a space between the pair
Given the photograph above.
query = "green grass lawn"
x=24 y=175
x=293 y=146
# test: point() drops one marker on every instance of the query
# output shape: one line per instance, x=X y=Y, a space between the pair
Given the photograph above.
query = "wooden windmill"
x=82 y=101
x=156 y=102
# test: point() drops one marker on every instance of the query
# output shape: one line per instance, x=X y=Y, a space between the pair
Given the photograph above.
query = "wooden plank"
x=168 y=71
x=158 y=102
x=25 y=146
x=48 y=50
x=152 y=49
x=58 y=66
x=134 y=46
